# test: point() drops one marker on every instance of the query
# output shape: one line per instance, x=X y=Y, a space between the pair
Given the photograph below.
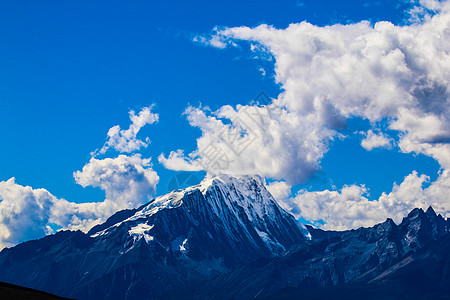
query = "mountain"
x=347 y=263
x=227 y=238
x=175 y=242
x=424 y=274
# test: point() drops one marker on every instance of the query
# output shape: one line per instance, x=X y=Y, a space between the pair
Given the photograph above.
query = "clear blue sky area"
x=70 y=70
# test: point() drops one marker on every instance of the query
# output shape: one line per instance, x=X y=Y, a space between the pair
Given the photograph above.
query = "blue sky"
x=72 y=70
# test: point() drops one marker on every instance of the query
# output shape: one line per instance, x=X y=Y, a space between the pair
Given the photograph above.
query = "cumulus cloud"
x=375 y=140
x=126 y=180
x=27 y=213
x=350 y=207
x=265 y=140
x=125 y=140
x=279 y=189
x=178 y=161
x=24 y=212
x=383 y=73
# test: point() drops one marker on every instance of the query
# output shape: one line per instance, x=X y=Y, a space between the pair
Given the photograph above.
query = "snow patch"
x=140 y=231
x=268 y=241
x=180 y=245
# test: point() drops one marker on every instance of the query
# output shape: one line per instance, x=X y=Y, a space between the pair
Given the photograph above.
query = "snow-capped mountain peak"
x=232 y=217
x=248 y=191
x=223 y=194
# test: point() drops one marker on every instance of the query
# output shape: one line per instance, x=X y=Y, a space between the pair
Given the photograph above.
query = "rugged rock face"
x=176 y=241
x=332 y=259
x=424 y=274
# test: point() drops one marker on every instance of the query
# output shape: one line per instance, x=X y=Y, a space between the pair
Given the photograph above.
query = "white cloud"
x=126 y=180
x=433 y=5
x=27 y=213
x=375 y=140
x=263 y=72
x=351 y=208
x=214 y=41
x=279 y=189
x=125 y=140
x=178 y=161
x=267 y=141
x=24 y=212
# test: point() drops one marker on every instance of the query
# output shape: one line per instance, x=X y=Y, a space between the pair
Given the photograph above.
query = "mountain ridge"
x=225 y=238
x=352 y=257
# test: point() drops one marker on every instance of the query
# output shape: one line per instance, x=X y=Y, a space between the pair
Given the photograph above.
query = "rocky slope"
x=350 y=258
